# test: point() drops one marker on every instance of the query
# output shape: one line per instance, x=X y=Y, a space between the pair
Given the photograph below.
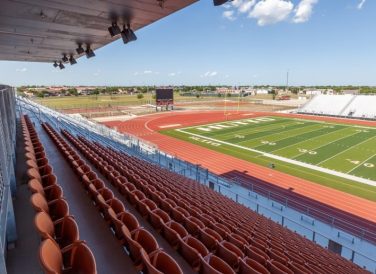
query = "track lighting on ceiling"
x=220 y=2
x=114 y=29
x=80 y=49
x=128 y=34
x=65 y=58
x=89 y=52
x=161 y=3
x=72 y=61
x=61 y=66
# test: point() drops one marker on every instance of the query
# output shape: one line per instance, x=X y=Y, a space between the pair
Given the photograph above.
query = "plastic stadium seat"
x=300 y=268
x=80 y=259
x=106 y=193
x=249 y=266
x=212 y=264
x=167 y=205
x=145 y=207
x=221 y=229
x=124 y=218
x=172 y=231
x=52 y=192
x=115 y=204
x=237 y=240
x=276 y=267
x=137 y=240
x=178 y=214
x=46 y=179
x=135 y=196
x=159 y=262
x=230 y=253
x=256 y=254
x=158 y=217
x=192 y=249
x=277 y=256
x=193 y=225
x=56 y=209
x=209 y=238
x=64 y=231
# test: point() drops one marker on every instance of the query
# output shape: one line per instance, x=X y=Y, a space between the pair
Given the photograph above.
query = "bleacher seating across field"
x=358 y=106
x=61 y=251
x=213 y=233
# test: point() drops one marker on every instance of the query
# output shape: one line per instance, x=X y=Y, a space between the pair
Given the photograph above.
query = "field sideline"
x=348 y=149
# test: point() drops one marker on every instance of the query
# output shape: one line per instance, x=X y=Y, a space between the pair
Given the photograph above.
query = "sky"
x=245 y=42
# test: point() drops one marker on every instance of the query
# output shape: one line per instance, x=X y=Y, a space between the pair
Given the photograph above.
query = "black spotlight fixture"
x=55 y=64
x=80 y=49
x=72 y=61
x=220 y=2
x=114 y=29
x=89 y=52
x=128 y=34
x=61 y=66
x=65 y=58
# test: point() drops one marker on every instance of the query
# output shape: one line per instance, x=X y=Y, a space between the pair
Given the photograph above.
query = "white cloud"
x=209 y=74
x=304 y=11
x=229 y=14
x=271 y=11
x=148 y=72
x=361 y=3
x=21 y=69
x=246 y=6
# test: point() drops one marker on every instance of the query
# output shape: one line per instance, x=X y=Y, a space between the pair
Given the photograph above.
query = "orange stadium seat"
x=64 y=231
x=80 y=259
x=159 y=262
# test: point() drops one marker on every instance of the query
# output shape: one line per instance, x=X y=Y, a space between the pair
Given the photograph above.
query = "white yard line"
x=316 y=148
x=365 y=161
x=336 y=131
x=313 y=167
x=335 y=155
x=283 y=137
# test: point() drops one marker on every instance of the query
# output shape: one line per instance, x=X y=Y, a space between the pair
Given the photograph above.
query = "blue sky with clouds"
x=246 y=42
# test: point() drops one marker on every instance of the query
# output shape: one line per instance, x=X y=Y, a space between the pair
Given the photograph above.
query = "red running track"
x=301 y=193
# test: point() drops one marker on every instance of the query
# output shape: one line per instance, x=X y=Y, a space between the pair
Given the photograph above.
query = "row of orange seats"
x=61 y=249
x=199 y=244
x=268 y=240
x=140 y=244
x=267 y=235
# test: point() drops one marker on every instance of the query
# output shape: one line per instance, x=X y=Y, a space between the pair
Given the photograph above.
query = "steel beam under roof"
x=42 y=30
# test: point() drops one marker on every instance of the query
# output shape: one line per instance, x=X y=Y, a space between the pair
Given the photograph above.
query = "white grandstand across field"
x=357 y=106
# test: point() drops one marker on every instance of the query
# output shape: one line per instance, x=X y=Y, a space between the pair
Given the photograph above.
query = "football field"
x=318 y=151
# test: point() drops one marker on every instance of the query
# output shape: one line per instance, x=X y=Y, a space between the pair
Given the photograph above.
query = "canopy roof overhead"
x=44 y=30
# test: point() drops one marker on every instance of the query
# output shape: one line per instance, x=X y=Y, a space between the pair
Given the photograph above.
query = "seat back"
x=50 y=257
x=82 y=260
x=33 y=173
x=145 y=239
x=212 y=264
x=164 y=263
x=44 y=225
x=250 y=266
x=36 y=187
x=39 y=203
x=129 y=220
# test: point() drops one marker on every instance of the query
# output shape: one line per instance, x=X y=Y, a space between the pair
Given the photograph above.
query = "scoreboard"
x=164 y=97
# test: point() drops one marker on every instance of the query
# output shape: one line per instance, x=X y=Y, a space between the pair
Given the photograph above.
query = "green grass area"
x=344 y=148
x=93 y=101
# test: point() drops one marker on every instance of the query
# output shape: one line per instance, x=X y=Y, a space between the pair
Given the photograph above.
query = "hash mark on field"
x=345 y=150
